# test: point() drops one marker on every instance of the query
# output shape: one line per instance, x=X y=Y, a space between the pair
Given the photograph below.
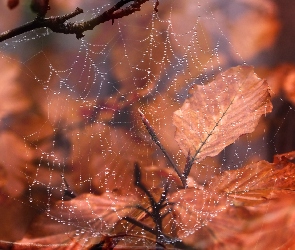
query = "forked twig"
x=155 y=212
x=188 y=165
x=156 y=207
x=156 y=215
x=58 y=24
x=67 y=190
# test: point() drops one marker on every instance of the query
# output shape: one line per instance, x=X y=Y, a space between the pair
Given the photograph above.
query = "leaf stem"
x=155 y=139
x=190 y=160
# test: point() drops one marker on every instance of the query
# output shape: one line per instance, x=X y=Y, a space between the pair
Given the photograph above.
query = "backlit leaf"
x=215 y=115
x=238 y=205
x=78 y=221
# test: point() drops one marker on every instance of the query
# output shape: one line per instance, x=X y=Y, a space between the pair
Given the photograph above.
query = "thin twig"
x=68 y=191
x=156 y=207
x=58 y=24
x=139 y=224
x=164 y=193
x=50 y=22
x=156 y=6
x=155 y=214
x=157 y=141
x=138 y=183
x=187 y=168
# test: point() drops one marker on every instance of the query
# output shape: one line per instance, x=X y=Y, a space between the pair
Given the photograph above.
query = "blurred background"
x=69 y=107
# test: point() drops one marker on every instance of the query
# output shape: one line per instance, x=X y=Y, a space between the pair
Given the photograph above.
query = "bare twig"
x=67 y=190
x=156 y=208
x=138 y=183
x=156 y=6
x=50 y=22
x=58 y=24
x=156 y=214
x=140 y=224
x=187 y=168
x=157 y=141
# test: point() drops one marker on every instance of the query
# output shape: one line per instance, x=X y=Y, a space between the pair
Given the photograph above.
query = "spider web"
x=72 y=121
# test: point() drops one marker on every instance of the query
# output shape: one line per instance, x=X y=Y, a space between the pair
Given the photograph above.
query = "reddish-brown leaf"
x=218 y=113
x=251 y=202
x=260 y=175
x=80 y=221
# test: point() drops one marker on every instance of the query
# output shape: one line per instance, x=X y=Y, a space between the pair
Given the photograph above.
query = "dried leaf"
x=260 y=175
x=273 y=228
x=217 y=114
x=80 y=220
x=235 y=203
x=266 y=226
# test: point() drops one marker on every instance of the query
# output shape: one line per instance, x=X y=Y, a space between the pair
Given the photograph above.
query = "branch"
x=156 y=214
x=158 y=143
x=138 y=183
x=67 y=190
x=187 y=168
x=58 y=24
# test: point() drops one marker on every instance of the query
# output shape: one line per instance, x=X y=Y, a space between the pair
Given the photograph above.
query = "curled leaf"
x=215 y=115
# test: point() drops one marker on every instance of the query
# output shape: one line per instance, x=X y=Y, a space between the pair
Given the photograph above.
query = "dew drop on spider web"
x=70 y=108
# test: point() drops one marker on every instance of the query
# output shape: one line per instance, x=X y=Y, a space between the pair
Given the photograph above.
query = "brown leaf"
x=217 y=114
x=235 y=205
x=260 y=175
x=80 y=220
x=18 y=111
x=266 y=226
x=194 y=209
x=273 y=228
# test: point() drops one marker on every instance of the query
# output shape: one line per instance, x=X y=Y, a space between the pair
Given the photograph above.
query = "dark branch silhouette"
x=58 y=24
x=155 y=213
x=155 y=139
x=68 y=192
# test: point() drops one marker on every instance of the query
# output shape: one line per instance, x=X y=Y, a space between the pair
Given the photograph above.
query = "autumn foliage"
x=125 y=169
x=197 y=216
